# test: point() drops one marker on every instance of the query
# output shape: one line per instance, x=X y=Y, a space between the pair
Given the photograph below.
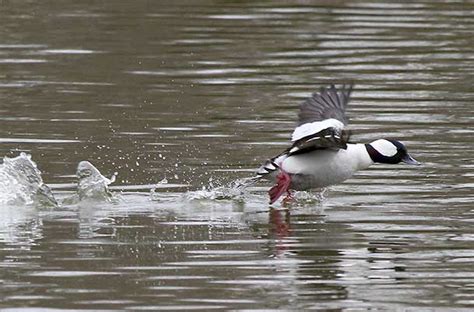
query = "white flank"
x=315 y=127
x=384 y=147
x=280 y=159
x=325 y=167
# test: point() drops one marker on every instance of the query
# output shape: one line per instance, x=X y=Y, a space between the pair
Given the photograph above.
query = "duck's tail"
x=271 y=167
x=267 y=168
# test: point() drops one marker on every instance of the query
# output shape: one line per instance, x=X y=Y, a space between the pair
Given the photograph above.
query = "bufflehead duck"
x=321 y=154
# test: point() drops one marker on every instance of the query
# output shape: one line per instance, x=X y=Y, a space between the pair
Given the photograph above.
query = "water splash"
x=235 y=190
x=308 y=198
x=153 y=195
x=21 y=183
x=238 y=190
x=92 y=185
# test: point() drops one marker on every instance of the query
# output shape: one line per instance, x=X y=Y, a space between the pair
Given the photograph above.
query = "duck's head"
x=389 y=152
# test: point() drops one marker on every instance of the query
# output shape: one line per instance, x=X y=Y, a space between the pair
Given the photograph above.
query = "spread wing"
x=328 y=103
x=322 y=119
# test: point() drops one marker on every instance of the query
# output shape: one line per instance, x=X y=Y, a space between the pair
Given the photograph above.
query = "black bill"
x=410 y=160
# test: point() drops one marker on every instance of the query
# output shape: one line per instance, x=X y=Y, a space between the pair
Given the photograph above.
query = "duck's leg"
x=283 y=183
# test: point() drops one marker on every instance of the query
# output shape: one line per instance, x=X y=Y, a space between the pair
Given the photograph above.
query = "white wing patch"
x=315 y=127
x=384 y=147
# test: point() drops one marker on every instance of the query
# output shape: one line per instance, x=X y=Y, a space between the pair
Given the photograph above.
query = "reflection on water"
x=186 y=97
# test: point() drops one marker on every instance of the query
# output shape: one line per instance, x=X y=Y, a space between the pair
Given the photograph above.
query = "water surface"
x=200 y=92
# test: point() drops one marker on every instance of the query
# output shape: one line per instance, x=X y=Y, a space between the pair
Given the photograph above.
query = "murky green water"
x=199 y=93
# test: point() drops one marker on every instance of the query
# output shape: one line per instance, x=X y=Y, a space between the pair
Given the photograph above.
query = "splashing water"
x=21 y=183
x=92 y=185
x=305 y=198
x=238 y=190
x=153 y=195
x=235 y=190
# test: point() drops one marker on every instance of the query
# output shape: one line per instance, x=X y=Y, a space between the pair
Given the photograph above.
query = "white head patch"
x=384 y=147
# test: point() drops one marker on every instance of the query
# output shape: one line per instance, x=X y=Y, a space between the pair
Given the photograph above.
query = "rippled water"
x=195 y=94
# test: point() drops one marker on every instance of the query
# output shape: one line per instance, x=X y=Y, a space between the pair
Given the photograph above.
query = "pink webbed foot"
x=283 y=183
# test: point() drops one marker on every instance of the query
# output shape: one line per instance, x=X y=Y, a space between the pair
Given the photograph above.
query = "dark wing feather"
x=328 y=103
x=329 y=138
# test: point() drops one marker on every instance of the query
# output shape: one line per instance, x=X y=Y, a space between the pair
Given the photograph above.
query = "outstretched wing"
x=321 y=121
x=328 y=103
x=321 y=126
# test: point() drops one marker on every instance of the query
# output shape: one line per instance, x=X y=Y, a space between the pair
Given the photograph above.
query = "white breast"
x=325 y=167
